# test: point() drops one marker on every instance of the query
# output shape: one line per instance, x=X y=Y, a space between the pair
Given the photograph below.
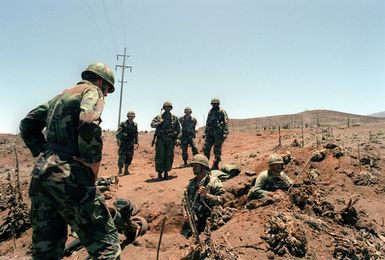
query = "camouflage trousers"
x=164 y=154
x=185 y=142
x=126 y=153
x=216 y=141
x=75 y=201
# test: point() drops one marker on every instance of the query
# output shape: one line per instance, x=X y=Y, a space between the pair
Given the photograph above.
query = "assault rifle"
x=285 y=187
x=191 y=217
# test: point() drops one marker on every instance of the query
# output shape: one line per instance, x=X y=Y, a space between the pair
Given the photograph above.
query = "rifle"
x=191 y=217
x=303 y=184
x=156 y=130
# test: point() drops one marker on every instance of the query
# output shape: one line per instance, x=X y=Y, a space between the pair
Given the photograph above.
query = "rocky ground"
x=339 y=214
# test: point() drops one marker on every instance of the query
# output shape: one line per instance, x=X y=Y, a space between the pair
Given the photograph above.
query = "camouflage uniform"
x=62 y=190
x=216 y=132
x=187 y=137
x=166 y=135
x=214 y=187
x=266 y=182
x=127 y=136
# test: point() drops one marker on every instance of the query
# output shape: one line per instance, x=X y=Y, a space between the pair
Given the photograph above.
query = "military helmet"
x=187 y=110
x=103 y=71
x=275 y=159
x=201 y=159
x=167 y=104
x=215 y=101
x=130 y=113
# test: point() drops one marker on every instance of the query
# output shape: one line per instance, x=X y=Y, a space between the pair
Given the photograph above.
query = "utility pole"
x=122 y=81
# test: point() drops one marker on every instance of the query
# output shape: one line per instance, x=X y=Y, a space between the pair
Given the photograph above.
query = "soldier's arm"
x=225 y=123
x=216 y=193
x=31 y=129
x=257 y=191
x=286 y=179
x=136 y=136
x=156 y=122
x=90 y=133
x=177 y=130
x=119 y=132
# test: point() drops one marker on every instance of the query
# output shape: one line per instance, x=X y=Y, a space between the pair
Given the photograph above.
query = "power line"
x=93 y=22
x=109 y=24
x=123 y=21
x=123 y=67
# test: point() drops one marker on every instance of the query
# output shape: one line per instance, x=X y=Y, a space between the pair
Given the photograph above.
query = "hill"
x=379 y=114
x=311 y=118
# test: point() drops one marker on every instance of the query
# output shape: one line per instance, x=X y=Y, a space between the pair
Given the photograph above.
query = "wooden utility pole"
x=123 y=66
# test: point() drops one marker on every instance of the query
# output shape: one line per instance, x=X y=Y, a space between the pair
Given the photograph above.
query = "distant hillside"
x=311 y=118
x=379 y=114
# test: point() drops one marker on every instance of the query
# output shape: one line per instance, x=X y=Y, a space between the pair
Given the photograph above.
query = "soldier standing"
x=187 y=137
x=127 y=138
x=216 y=132
x=62 y=188
x=167 y=131
x=202 y=193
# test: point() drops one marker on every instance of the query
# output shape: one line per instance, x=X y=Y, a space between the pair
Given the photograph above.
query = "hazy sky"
x=259 y=57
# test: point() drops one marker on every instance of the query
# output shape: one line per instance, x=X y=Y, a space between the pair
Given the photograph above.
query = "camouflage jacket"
x=266 y=182
x=188 y=126
x=127 y=132
x=213 y=186
x=71 y=121
x=169 y=128
x=217 y=122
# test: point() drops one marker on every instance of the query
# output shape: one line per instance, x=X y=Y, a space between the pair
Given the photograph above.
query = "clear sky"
x=259 y=57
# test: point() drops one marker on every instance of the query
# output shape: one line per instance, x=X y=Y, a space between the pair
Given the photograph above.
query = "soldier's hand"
x=94 y=166
x=202 y=191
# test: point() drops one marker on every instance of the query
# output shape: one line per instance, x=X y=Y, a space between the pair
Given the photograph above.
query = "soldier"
x=187 y=137
x=167 y=131
x=271 y=182
x=127 y=137
x=202 y=193
x=62 y=188
x=216 y=132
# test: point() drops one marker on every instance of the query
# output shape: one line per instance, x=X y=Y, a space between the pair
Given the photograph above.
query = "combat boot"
x=165 y=177
x=185 y=163
x=215 y=165
x=120 y=171
x=159 y=175
x=126 y=172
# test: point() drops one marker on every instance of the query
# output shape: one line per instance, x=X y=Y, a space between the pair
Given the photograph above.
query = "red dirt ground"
x=242 y=234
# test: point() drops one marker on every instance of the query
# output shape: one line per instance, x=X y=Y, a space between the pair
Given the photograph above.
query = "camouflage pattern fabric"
x=127 y=136
x=63 y=191
x=216 y=129
x=266 y=182
x=202 y=212
x=188 y=135
x=167 y=133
